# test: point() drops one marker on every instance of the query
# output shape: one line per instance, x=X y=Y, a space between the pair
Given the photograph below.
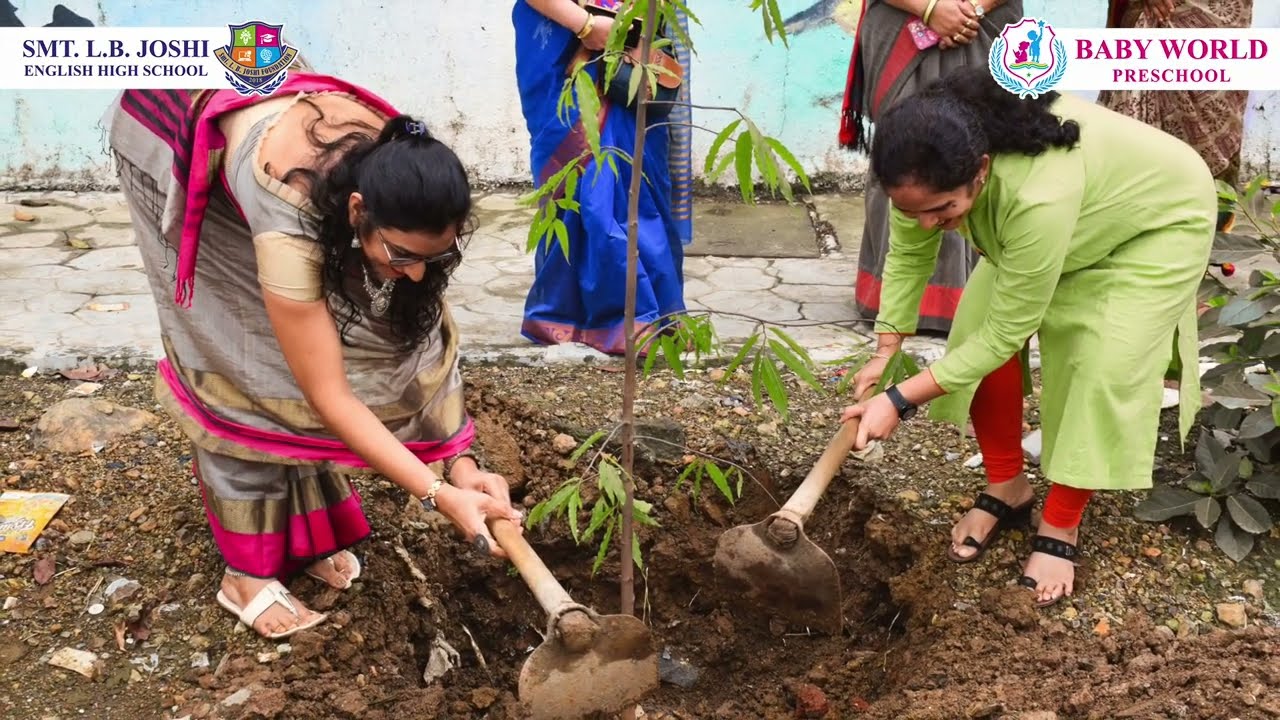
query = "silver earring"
x=355 y=242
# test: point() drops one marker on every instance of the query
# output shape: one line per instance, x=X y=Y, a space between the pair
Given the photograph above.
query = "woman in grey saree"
x=888 y=64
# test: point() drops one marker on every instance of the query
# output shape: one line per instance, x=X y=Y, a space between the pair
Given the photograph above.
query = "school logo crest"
x=1028 y=59
x=257 y=59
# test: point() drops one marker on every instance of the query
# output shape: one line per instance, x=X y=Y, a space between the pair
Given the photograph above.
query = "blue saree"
x=581 y=299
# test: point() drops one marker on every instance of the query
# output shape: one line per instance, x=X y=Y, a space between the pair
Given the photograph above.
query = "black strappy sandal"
x=1006 y=517
x=1056 y=548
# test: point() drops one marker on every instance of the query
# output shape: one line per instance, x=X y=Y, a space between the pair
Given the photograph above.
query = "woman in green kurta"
x=1094 y=231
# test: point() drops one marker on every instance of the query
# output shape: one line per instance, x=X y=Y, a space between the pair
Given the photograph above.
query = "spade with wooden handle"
x=587 y=663
x=774 y=564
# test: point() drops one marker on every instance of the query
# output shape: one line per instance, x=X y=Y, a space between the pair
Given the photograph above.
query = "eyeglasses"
x=399 y=257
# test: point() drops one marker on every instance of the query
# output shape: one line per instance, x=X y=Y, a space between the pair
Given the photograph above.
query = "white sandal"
x=271 y=594
x=352 y=561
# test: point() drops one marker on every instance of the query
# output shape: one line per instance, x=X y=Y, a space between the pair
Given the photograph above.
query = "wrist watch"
x=906 y=409
x=429 y=501
x=978 y=10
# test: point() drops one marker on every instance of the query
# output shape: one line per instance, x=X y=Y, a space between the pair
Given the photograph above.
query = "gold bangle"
x=928 y=11
x=586 y=27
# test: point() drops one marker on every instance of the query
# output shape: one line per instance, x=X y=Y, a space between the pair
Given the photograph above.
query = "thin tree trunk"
x=629 y=320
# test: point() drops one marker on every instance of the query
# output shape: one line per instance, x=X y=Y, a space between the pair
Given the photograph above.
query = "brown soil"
x=923 y=638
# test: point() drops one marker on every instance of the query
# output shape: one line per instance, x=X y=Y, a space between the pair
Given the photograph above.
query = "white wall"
x=451 y=62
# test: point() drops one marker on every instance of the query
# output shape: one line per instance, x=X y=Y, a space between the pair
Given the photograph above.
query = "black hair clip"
x=416 y=127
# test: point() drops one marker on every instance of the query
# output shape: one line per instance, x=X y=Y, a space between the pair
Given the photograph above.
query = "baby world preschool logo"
x=257 y=59
x=1028 y=59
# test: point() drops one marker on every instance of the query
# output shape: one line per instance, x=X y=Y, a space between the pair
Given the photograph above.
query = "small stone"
x=483 y=698
x=1103 y=628
x=563 y=444
x=147 y=526
x=984 y=710
x=1253 y=588
x=909 y=496
x=951 y=456
x=1151 y=552
x=811 y=702
x=974 y=462
x=1232 y=614
x=79 y=661
x=716 y=374
x=1039 y=715
x=1032 y=446
x=81 y=537
x=1070 y=614
x=238 y=697
x=137 y=513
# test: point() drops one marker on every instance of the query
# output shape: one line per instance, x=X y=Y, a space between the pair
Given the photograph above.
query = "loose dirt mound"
x=923 y=638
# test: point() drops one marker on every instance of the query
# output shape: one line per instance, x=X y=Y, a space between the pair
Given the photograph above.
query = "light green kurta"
x=1099 y=250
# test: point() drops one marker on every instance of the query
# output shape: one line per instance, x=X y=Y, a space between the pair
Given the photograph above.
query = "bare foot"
x=1054 y=576
x=277 y=618
x=336 y=571
x=977 y=523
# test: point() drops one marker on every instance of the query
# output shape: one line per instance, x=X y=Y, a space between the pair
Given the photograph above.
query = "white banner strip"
x=103 y=58
x=1171 y=59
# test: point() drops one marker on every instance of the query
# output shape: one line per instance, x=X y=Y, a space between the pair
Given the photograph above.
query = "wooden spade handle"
x=806 y=497
x=551 y=596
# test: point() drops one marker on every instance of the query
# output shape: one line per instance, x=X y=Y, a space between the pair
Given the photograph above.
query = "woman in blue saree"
x=581 y=298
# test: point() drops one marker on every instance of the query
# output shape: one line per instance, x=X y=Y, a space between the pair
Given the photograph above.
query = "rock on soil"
x=79 y=425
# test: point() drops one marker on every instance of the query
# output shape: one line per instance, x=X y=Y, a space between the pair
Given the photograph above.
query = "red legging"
x=997 y=421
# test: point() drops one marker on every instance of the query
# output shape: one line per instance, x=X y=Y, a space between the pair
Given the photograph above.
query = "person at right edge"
x=1094 y=231
x=901 y=46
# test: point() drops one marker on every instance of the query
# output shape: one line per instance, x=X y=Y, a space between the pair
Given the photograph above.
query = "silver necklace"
x=380 y=298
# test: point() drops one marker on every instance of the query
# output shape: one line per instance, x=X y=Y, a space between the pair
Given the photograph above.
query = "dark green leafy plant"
x=1223 y=494
x=1240 y=433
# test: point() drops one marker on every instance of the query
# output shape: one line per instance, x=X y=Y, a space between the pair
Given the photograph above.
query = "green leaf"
x=589 y=110
x=1208 y=452
x=599 y=513
x=795 y=346
x=716 y=144
x=791 y=162
x=1240 y=311
x=794 y=364
x=773 y=385
x=603 y=550
x=1166 y=502
x=757 y=380
x=684 y=474
x=739 y=357
x=584 y=447
x=1249 y=514
x=1252 y=189
x=1233 y=393
x=774 y=11
x=562 y=496
x=633 y=87
x=1226 y=472
x=721 y=483
x=611 y=482
x=742 y=164
x=636 y=555
x=536 y=515
x=1266 y=486
x=1207 y=512
x=562 y=236
x=1236 y=543
x=575 y=504
x=672 y=355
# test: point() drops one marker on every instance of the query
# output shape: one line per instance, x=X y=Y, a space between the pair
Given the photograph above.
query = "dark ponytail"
x=938 y=136
x=410 y=181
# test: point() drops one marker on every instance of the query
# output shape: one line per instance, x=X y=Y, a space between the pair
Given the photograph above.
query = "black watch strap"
x=905 y=408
